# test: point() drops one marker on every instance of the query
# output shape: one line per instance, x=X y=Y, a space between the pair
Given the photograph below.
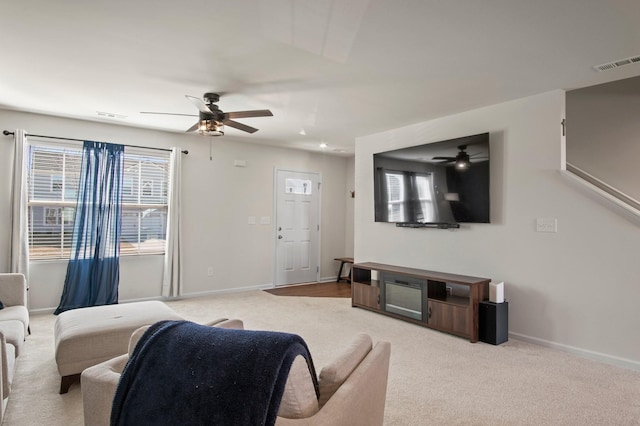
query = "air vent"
x=618 y=63
x=110 y=115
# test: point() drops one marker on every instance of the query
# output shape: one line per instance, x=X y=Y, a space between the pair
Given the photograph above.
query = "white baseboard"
x=162 y=298
x=52 y=310
x=42 y=311
x=223 y=291
x=583 y=353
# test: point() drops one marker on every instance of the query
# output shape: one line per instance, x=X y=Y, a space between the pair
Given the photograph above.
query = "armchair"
x=14 y=324
x=13 y=295
x=353 y=387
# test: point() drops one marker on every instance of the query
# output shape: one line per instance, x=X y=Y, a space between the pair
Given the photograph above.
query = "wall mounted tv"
x=439 y=184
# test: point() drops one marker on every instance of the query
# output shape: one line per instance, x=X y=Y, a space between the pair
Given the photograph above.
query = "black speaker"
x=494 y=322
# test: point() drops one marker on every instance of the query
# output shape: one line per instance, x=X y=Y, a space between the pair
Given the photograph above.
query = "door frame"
x=275 y=221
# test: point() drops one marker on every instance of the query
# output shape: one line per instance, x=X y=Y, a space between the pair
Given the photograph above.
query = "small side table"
x=343 y=260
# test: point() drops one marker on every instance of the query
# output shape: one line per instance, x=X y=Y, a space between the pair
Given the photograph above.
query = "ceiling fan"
x=462 y=160
x=212 y=119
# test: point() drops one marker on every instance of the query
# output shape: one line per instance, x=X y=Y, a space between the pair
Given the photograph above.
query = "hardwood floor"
x=335 y=289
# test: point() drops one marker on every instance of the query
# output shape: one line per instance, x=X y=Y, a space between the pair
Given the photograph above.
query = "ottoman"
x=88 y=336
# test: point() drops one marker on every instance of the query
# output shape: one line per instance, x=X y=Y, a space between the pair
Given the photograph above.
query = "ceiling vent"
x=110 y=115
x=618 y=63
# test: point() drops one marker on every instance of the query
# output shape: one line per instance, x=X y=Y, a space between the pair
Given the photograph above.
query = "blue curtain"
x=93 y=272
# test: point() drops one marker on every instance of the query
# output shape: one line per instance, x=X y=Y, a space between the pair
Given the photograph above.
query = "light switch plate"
x=265 y=220
x=251 y=220
x=546 y=224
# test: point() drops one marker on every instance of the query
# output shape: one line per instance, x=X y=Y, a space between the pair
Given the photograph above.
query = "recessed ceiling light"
x=323 y=145
x=302 y=132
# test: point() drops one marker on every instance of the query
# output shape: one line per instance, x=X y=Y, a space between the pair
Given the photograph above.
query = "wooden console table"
x=438 y=300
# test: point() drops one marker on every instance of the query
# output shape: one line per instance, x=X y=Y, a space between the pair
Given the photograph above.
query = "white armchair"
x=14 y=325
x=13 y=295
x=352 y=387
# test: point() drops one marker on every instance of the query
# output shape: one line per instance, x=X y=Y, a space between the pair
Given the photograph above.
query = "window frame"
x=61 y=231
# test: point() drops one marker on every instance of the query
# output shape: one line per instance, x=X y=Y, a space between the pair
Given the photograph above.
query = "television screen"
x=439 y=184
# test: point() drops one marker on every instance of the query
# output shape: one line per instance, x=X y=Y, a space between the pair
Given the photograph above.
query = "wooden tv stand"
x=438 y=300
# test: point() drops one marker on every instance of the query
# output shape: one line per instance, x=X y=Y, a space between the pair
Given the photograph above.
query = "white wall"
x=349 y=211
x=602 y=133
x=218 y=198
x=576 y=289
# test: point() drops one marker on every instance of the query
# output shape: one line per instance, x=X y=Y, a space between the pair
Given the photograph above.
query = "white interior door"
x=297 y=227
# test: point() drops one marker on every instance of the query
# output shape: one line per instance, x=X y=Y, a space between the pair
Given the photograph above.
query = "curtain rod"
x=7 y=133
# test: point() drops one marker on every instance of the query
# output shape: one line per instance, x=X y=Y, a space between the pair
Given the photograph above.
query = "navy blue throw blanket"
x=182 y=373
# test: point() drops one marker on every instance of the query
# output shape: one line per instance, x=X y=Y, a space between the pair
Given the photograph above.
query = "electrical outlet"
x=210 y=271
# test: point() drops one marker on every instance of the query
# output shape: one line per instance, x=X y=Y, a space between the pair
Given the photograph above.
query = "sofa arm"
x=360 y=401
x=4 y=354
x=13 y=289
x=99 y=385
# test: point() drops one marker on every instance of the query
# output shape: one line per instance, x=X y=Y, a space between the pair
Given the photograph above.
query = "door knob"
x=279 y=237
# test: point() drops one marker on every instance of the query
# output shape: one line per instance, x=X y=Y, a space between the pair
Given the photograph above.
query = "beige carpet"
x=434 y=378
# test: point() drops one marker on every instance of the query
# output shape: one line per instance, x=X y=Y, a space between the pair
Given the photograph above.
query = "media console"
x=438 y=300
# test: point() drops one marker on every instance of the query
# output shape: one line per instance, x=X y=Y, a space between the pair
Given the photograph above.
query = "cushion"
x=1 y=305
x=299 y=399
x=334 y=375
x=135 y=338
x=242 y=370
x=13 y=332
x=16 y=312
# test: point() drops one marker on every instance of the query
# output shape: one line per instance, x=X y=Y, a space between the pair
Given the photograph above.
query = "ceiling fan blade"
x=240 y=126
x=249 y=114
x=444 y=158
x=199 y=103
x=193 y=128
x=167 y=113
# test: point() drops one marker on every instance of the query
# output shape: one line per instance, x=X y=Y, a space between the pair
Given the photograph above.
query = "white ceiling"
x=337 y=68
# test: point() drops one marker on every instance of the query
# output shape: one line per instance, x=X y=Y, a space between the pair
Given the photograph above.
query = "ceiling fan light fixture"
x=211 y=128
x=462 y=165
x=462 y=161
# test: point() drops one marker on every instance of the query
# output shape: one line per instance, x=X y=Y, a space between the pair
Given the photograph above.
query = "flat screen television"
x=439 y=184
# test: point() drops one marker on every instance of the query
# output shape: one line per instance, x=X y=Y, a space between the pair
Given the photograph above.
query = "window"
x=298 y=186
x=58 y=215
x=396 y=196
x=56 y=183
x=147 y=188
x=426 y=209
x=53 y=189
x=409 y=197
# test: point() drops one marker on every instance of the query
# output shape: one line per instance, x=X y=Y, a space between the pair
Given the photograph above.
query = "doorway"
x=297 y=225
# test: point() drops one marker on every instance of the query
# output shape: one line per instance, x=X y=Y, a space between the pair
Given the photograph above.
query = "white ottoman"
x=88 y=336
